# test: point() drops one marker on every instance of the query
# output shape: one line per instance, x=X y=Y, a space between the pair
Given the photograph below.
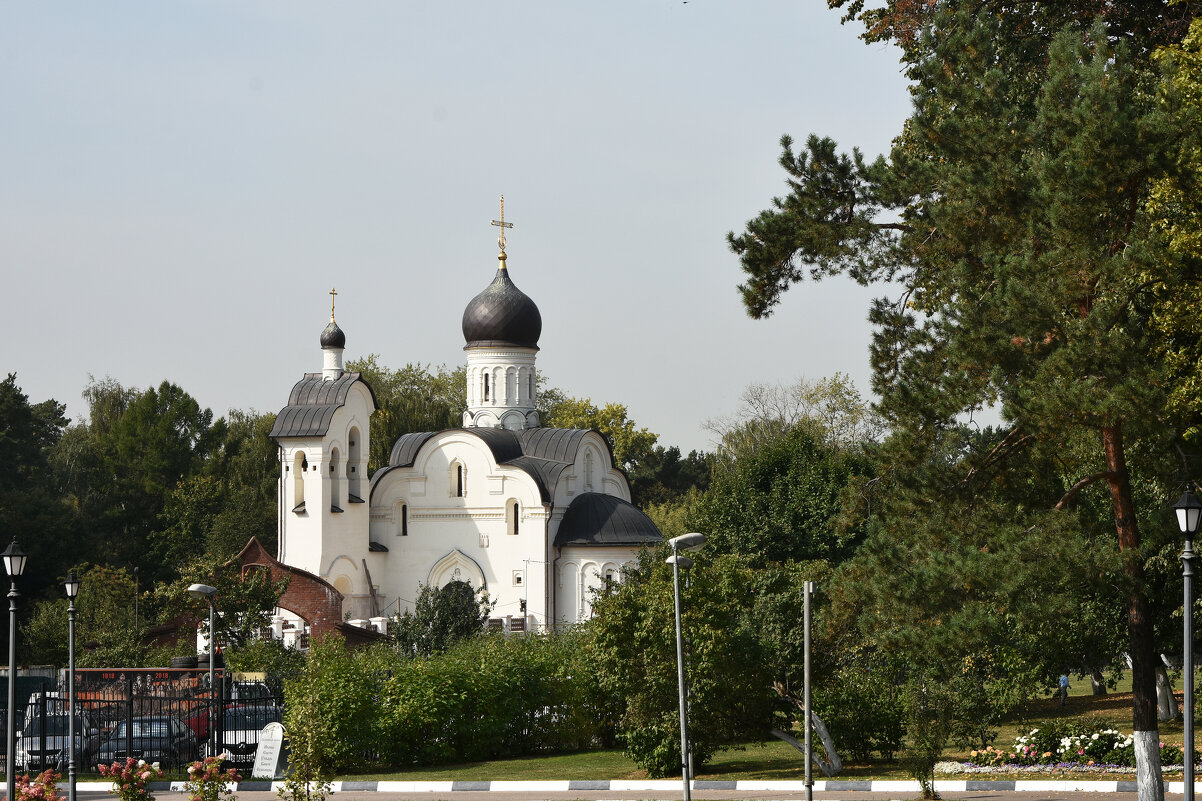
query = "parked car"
x=251 y=692
x=240 y=729
x=153 y=738
x=37 y=754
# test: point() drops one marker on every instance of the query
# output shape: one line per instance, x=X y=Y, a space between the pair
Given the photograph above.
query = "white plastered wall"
x=476 y=525
x=581 y=572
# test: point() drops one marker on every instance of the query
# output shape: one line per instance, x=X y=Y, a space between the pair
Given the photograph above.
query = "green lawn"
x=774 y=760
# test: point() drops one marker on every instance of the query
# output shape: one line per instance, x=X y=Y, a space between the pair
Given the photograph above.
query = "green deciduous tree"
x=233 y=498
x=1175 y=203
x=106 y=630
x=731 y=698
x=32 y=510
x=440 y=617
x=782 y=501
x=121 y=465
x=244 y=602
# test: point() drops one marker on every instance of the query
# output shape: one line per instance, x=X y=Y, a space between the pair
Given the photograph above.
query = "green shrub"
x=864 y=710
x=484 y=697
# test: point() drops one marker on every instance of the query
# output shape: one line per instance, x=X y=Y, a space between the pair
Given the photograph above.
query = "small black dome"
x=332 y=336
x=502 y=315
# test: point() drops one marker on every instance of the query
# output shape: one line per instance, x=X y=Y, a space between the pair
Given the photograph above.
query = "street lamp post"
x=685 y=542
x=72 y=587
x=1188 y=510
x=14 y=565
x=207 y=592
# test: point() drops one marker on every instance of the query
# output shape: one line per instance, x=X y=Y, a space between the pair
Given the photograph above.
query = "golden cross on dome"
x=502 y=225
x=332 y=294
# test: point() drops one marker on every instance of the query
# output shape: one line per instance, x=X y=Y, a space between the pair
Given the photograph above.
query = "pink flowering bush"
x=208 y=782
x=43 y=787
x=131 y=779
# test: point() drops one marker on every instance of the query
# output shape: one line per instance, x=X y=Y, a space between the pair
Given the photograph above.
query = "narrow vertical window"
x=486 y=386
x=335 y=486
x=515 y=512
x=354 y=455
x=299 y=465
x=459 y=481
x=404 y=520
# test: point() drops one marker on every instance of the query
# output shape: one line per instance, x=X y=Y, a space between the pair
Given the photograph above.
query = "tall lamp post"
x=71 y=585
x=1189 y=511
x=685 y=542
x=14 y=565
x=207 y=592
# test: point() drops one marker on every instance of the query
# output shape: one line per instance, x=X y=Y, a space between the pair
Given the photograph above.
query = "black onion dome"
x=332 y=336
x=502 y=315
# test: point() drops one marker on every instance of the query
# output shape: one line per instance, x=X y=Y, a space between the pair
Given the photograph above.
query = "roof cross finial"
x=332 y=294
x=502 y=225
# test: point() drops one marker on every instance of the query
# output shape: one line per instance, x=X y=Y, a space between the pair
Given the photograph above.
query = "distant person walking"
x=1063 y=693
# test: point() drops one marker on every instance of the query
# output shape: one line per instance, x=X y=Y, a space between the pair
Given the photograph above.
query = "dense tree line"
x=148 y=491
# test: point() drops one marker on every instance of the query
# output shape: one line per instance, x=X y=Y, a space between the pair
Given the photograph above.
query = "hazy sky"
x=183 y=182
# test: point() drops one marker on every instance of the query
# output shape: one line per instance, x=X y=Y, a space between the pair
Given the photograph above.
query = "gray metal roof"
x=405 y=449
x=596 y=519
x=312 y=404
x=542 y=453
x=557 y=444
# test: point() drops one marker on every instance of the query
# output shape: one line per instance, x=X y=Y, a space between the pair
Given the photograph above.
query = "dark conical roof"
x=502 y=315
x=332 y=336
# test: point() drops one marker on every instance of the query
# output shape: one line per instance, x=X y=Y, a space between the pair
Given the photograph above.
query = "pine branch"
x=1012 y=442
x=1080 y=485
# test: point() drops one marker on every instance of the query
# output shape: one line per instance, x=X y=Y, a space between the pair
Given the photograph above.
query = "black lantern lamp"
x=14 y=560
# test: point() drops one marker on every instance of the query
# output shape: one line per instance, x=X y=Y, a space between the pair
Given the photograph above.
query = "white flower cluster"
x=1077 y=743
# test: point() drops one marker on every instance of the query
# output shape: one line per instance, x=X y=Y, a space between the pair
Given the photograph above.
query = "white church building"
x=538 y=517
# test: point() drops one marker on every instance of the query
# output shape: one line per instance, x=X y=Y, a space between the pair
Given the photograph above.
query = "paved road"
x=660 y=795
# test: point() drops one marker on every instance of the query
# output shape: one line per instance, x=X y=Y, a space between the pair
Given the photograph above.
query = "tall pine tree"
x=1012 y=212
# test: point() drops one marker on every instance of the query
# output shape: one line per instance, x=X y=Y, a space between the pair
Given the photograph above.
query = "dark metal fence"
x=165 y=715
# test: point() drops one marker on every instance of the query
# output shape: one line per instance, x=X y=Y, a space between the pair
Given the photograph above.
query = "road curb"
x=820 y=785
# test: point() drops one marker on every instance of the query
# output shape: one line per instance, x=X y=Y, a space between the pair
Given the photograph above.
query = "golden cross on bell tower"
x=502 y=225
x=332 y=294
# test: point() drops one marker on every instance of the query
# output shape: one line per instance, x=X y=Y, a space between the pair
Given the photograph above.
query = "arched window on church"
x=588 y=471
x=404 y=519
x=513 y=514
x=486 y=386
x=299 y=465
x=458 y=480
x=530 y=383
x=335 y=484
x=353 y=455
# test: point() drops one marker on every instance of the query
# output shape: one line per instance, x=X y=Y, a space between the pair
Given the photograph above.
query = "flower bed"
x=1065 y=747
